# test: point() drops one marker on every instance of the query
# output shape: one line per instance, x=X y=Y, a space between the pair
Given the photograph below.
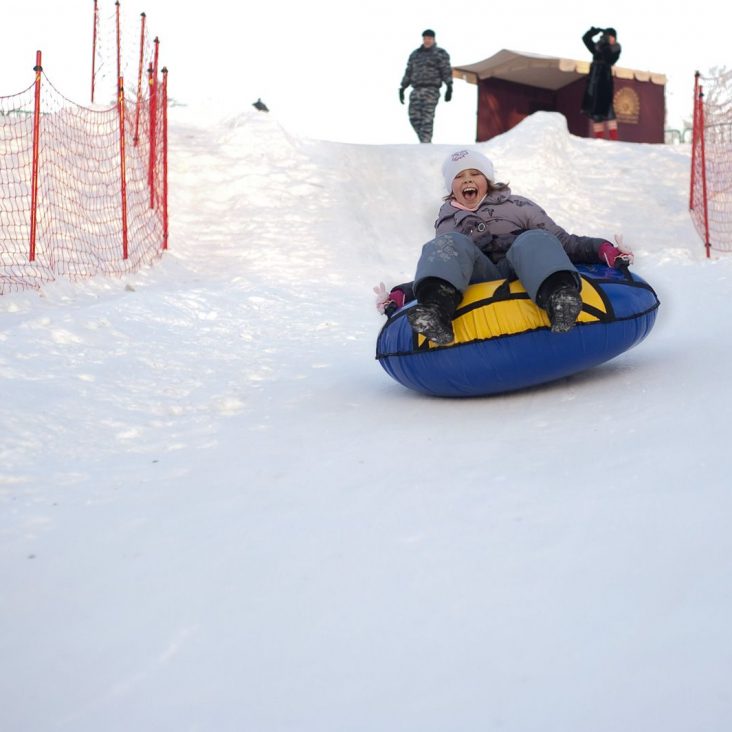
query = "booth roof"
x=544 y=72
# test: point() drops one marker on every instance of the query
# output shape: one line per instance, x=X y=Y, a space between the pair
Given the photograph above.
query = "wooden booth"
x=513 y=85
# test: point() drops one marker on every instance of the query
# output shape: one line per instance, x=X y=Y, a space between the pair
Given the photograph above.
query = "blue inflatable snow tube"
x=503 y=341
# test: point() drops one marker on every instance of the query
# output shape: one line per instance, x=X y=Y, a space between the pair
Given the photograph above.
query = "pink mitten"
x=388 y=303
x=619 y=256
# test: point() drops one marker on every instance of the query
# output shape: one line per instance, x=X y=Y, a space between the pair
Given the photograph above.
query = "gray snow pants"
x=534 y=256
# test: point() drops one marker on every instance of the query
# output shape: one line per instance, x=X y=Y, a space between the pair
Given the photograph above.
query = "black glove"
x=595 y=31
x=401 y=94
x=448 y=93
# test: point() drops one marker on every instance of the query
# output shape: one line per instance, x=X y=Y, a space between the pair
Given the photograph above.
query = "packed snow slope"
x=219 y=513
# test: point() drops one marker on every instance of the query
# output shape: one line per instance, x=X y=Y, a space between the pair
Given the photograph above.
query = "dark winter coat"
x=501 y=217
x=597 y=102
x=427 y=67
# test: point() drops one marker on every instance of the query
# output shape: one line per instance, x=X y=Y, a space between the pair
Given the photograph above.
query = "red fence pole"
x=164 y=102
x=139 y=78
x=155 y=58
x=36 y=136
x=154 y=126
x=707 y=243
x=94 y=49
x=123 y=165
x=151 y=134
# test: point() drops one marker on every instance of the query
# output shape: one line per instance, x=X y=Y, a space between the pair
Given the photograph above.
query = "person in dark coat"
x=428 y=67
x=597 y=102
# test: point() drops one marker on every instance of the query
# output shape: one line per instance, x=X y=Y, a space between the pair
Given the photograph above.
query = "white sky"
x=331 y=70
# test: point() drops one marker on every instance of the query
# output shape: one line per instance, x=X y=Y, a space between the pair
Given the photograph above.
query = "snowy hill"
x=219 y=513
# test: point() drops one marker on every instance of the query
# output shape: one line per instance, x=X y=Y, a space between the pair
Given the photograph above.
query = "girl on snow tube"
x=485 y=232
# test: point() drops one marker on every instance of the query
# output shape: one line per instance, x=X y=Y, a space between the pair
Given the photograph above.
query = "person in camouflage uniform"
x=427 y=68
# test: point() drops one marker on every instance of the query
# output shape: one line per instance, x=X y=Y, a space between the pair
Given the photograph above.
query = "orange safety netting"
x=710 y=200
x=77 y=197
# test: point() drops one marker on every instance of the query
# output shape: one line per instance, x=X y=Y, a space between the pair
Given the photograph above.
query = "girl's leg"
x=448 y=264
x=548 y=275
x=612 y=127
x=454 y=258
x=535 y=256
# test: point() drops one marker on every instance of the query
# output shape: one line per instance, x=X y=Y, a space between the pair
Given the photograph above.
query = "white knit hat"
x=463 y=160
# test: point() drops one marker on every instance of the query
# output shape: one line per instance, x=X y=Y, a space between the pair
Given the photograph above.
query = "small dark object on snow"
x=260 y=105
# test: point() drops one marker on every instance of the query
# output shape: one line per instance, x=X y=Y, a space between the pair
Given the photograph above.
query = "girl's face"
x=469 y=187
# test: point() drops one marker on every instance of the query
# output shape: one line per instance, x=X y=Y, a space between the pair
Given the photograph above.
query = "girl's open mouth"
x=470 y=193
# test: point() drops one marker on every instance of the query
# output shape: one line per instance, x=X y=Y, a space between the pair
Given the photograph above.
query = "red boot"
x=614 y=133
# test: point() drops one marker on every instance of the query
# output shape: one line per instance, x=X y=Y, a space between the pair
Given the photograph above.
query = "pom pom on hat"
x=463 y=160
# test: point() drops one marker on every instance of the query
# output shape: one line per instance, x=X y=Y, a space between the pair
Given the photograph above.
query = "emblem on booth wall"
x=626 y=104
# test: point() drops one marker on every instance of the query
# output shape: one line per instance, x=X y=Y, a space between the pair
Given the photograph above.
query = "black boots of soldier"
x=559 y=296
x=437 y=301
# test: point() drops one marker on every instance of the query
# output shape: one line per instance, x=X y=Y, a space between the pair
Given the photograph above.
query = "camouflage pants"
x=422 y=103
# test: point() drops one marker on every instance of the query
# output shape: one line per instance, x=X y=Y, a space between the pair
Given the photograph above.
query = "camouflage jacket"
x=428 y=67
x=501 y=217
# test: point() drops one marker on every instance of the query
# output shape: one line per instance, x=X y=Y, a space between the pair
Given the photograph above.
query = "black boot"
x=559 y=296
x=437 y=301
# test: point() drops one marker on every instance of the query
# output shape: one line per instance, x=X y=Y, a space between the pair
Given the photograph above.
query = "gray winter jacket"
x=502 y=217
x=428 y=67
